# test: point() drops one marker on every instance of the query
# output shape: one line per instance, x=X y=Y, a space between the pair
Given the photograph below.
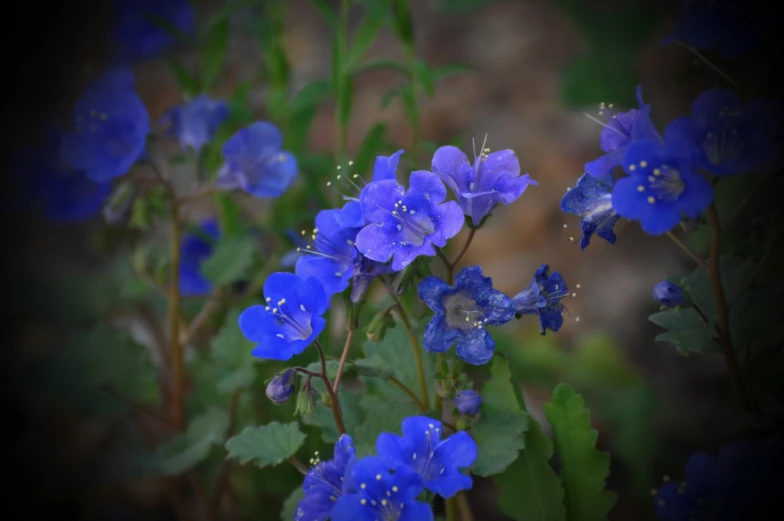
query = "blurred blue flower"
x=364 y=271
x=543 y=298
x=494 y=178
x=382 y=495
x=620 y=131
x=326 y=482
x=437 y=461
x=731 y=136
x=138 y=37
x=662 y=185
x=668 y=294
x=195 y=249
x=255 y=163
x=407 y=223
x=591 y=199
x=468 y=402
x=280 y=389
x=291 y=320
x=462 y=313
x=111 y=126
x=196 y=121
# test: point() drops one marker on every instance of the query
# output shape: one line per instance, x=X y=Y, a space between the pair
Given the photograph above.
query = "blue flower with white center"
x=255 y=163
x=405 y=224
x=437 y=461
x=111 y=126
x=543 y=298
x=462 y=313
x=291 y=320
x=668 y=294
x=196 y=121
x=494 y=178
x=591 y=199
x=138 y=37
x=382 y=495
x=196 y=248
x=326 y=482
x=468 y=402
x=662 y=185
x=620 y=131
x=729 y=135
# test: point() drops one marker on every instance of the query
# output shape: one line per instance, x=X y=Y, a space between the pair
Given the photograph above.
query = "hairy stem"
x=465 y=247
x=699 y=260
x=333 y=397
x=400 y=385
x=420 y=366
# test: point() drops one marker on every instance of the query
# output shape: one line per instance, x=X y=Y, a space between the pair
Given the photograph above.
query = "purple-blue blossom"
x=620 y=131
x=462 y=314
x=256 y=163
x=195 y=249
x=280 y=388
x=543 y=298
x=438 y=461
x=195 y=121
x=591 y=199
x=404 y=224
x=662 y=185
x=493 y=178
x=669 y=294
x=327 y=482
x=137 y=35
x=290 y=321
x=468 y=402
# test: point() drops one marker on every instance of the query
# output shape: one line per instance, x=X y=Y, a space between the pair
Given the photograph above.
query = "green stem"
x=343 y=358
x=415 y=348
x=334 y=403
x=400 y=385
x=452 y=511
x=688 y=251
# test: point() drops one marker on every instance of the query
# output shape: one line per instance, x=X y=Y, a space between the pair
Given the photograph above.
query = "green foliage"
x=231 y=259
x=291 y=503
x=686 y=331
x=230 y=351
x=265 y=446
x=214 y=52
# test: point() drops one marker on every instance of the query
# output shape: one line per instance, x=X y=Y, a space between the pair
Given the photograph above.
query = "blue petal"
x=449 y=221
x=475 y=347
x=588 y=188
x=351 y=216
x=428 y=184
x=349 y=507
x=697 y=195
x=393 y=450
x=452 y=166
x=379 y=200
x=550 y=317
x=416 y=511
x=270 y=176
x=278 y=285
x=459 y=450
x=385 y=167
x=628 y=201
x=256 y=140
x=438 y=336
x=374 y=243
x=604 y=164
x=432 y=291
x=326 y=271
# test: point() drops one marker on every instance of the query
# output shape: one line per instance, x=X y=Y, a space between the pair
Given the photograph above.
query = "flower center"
x=413 y=226
x=463 y=313
x=666 y=183
x=423 y=462
x=292 y=328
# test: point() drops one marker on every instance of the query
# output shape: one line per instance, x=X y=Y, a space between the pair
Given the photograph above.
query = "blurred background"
x=535 y=68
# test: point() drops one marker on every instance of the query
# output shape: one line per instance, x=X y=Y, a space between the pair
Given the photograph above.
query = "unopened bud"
x=668 y=294
x=377 y=328
x=306 y=401
x=117 y=209
x=468 y=402
x=281 y=387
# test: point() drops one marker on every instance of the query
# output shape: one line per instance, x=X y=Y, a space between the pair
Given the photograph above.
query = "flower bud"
x=667 y=293
x=117 y=209
x=281 y=387
x=468 y=402
x=306 y=402
x=378 y=326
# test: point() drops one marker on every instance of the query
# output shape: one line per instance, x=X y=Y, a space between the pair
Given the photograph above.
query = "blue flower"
x=111 y=125
x=437 y=462
x=383 y=170
x=290 y=321
x=494 y=178
x=138 y=37
x=364 y=271
x=195 y=249
x=591 y=199
x=280 y=389
x=468 y=402
x=661 y=186
x=462 y=312
x=620 y=131
x=327 y=482
x=196 y=121
x=668 y=294
x=731 y=136
x=382 y=495
x=543 y=298
x=255 y=162
x=700 y=497
x=407 y=223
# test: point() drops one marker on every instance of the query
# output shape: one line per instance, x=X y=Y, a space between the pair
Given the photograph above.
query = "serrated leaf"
x=373 y=367
x=530 y=490
x=231 y=259
x=291 y=503
x=686 y=331
x=190 y=449
x=265 y=446
x=214 y=53
x=584 y=468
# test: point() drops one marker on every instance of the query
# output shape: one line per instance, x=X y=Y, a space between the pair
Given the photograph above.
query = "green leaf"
x=530 y=490
x=265 y=446
x=373 y=367
x=370 y=148
x=229 y=214
x=584 y=469
x=230 y=261
x=450 y=70
x=499 y=431
x=230 y=348
x=310 y=95
x=363 y=39
x=326 y=11
x=345 y=99
x=189 y=83
x=403 y=23
x=410 y=106
x=425 y=76
x=332 y=368
x=388 y=418
x=188 y=450
x=602 y=75
x=353 y=415
x=381 y=63
x=390 y=95
x=291 y=503
x=686 y=331
x=214 y=53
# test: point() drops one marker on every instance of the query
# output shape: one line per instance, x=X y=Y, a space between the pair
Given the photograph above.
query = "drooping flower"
x=111 y=126
x=290 y=321
x=662 y=185
x=620 y=131
x=195 y=249
x=543 y=298
x=729 y=135
x=255 y=163
x=494 y=178
x=196 y=121
x=668 y=294
x=437 y=461
x=468 y=402
x=591 y=199
x=382 y=495
x=327 y=482
x=280 y=389
x=462 y=313
x=404 y=224
x=136 y=32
